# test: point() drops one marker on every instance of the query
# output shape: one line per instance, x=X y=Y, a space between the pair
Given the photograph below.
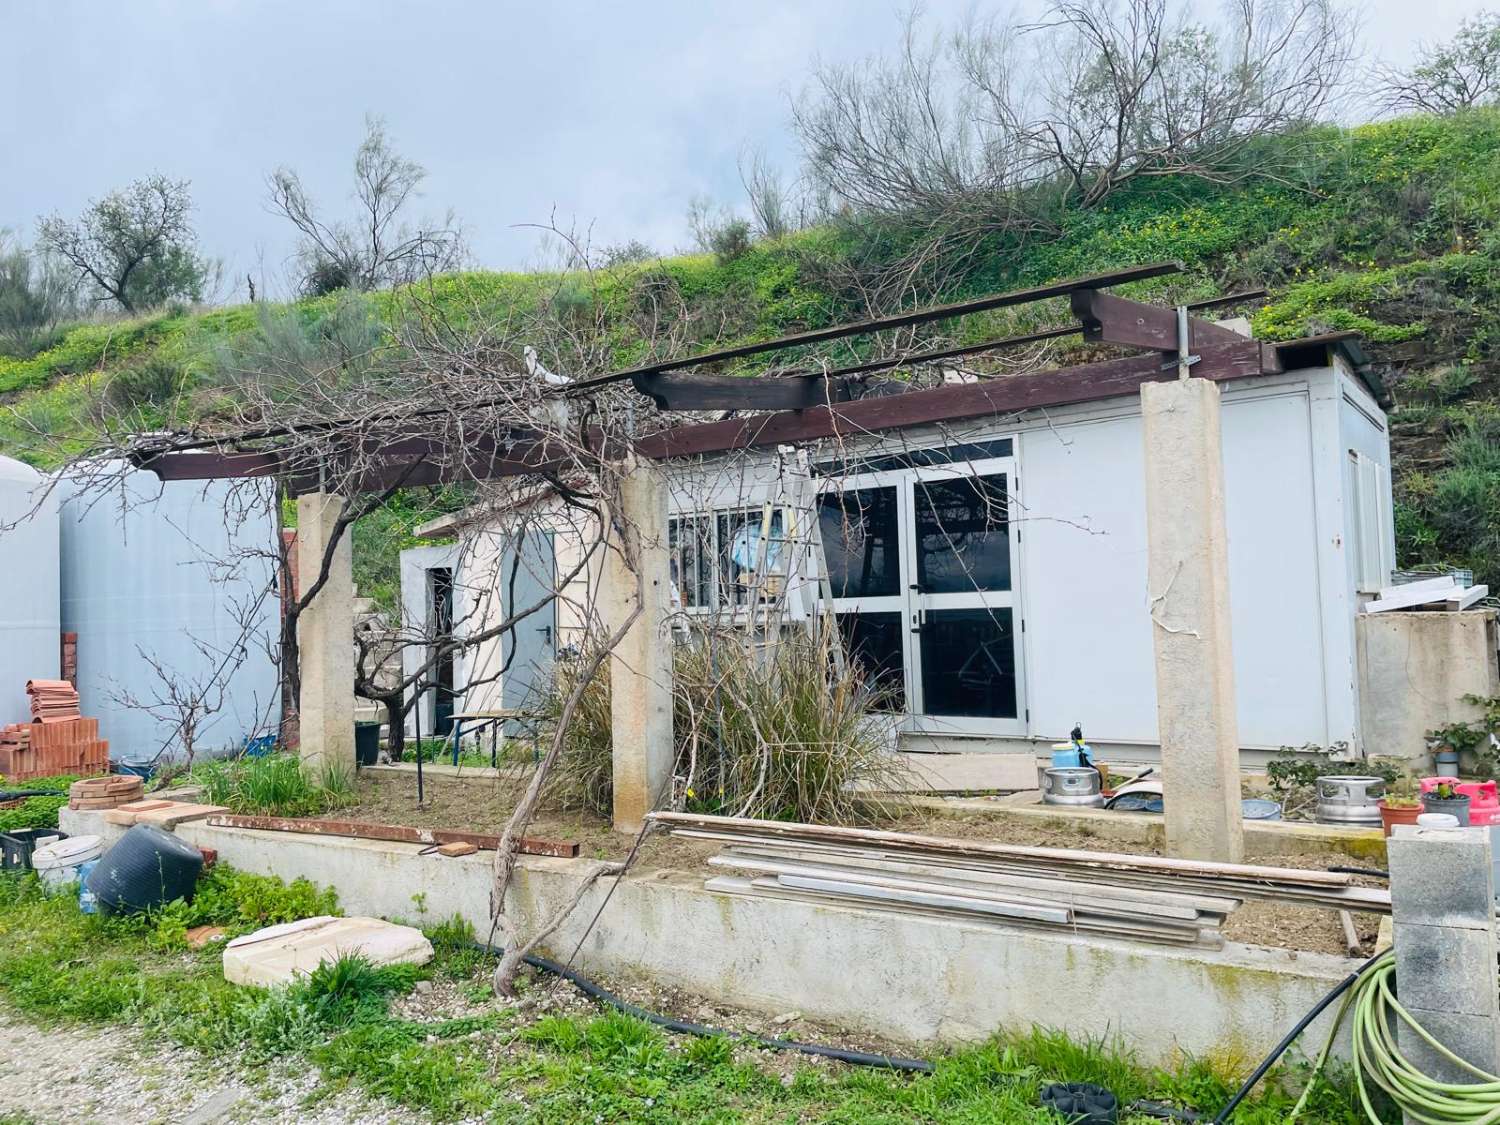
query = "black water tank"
x=145 y=869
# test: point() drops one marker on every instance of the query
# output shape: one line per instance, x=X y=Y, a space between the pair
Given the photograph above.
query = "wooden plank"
x=766 y=887
x=1442 y=583
x=1464 y=600
x=947 y=773
x=1035 y=882
x=910 y=897
x=395 y=833
x=1079 y=900
x=1421 y=594
x=1088 y=897
x=774 y=829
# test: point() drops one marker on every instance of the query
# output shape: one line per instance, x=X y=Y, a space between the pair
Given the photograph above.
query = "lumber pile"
x=42 y=749
x=52 y=701
x=1443 y=592
x=1146 y=898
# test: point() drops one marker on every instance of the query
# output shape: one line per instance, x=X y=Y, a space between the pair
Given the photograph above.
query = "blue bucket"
x=1256 y=809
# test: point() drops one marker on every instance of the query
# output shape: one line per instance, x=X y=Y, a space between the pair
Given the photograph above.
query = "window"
x=1369 y=524
x=859 y=530
x=716 y=557
x=963 y=535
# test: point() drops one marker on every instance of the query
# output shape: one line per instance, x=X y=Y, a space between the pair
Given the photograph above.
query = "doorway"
x=922 y=564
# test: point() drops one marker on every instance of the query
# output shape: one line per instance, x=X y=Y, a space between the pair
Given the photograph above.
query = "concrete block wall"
x=1443 y=910
x=1414 y=671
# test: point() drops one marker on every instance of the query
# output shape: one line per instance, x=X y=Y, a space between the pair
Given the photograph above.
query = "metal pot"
x=1076 y=786
x=1349 y=800
x=1456 y=806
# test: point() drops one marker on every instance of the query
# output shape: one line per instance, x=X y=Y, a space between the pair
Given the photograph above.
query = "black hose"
x=1290 y=1037
x=17 y=794
x=604 y=996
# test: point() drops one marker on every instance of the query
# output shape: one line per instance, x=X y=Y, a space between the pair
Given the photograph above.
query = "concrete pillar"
x=1187 y=579
x=325 y=636
x=1443 y=910
x=640 y=668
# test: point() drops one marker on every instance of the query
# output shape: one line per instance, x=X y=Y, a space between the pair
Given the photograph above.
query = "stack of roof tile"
x=42 y=749
x=52 y=701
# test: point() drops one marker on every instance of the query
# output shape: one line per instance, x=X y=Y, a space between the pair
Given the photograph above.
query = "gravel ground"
x=77 y=1075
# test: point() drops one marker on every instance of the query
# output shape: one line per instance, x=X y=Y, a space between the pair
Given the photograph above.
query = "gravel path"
x=68 y=1075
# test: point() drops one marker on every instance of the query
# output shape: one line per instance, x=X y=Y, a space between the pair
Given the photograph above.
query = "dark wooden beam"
x=672 y=391
x=1108 y=319
x=991 y=397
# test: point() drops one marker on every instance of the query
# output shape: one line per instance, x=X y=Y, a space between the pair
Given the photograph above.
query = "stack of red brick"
x=57 y=740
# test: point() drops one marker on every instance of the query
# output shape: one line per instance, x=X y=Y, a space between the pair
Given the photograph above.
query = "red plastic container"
x=1484 y=798
x=1484 y=801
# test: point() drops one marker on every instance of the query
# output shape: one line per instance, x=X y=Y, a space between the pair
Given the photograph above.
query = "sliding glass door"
x=922 y=566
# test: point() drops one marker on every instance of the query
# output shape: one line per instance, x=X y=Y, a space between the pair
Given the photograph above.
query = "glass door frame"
x=911 y=604
x=920 y=604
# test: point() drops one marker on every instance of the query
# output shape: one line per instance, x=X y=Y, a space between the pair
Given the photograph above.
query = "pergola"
x=1179 y=361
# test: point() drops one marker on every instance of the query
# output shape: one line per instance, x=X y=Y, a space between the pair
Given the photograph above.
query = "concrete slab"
x=279 y=954
x=960 y=772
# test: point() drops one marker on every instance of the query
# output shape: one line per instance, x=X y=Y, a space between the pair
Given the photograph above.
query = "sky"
x=605 y=117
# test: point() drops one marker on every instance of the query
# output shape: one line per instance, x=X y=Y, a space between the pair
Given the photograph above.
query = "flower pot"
x=1455 y=806
x=1400 y=814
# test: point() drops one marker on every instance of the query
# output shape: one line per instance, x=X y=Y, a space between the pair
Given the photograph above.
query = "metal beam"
x=886 y=323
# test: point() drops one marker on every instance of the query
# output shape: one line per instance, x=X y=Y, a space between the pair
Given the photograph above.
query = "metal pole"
x=417 y=720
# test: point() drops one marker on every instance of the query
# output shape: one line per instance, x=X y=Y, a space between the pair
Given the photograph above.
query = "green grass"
x=275 y=784
x=57 y=965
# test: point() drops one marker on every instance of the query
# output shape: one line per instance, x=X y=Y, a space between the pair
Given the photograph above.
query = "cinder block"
x=1442 y=877
x=1474 y=1039
x=1446 y=969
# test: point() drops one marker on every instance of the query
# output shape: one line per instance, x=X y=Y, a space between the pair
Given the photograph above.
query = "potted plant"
x=1443 y=798
x=1400 y=804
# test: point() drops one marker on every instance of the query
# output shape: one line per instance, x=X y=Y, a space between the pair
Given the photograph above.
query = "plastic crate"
x=17 y=845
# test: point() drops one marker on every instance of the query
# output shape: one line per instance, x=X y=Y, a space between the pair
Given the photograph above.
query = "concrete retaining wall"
x=908 y=978
x=1414 y=670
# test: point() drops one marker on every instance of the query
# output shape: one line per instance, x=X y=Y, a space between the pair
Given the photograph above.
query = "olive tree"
x=37 y=293
x=1462 y=73
x=135 y=247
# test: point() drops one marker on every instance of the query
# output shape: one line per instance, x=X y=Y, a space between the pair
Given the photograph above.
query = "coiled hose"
x=1379 y=1063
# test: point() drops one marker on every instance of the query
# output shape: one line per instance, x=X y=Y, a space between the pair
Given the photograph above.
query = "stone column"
x=1443 y=910
x=1187 y=580
x=325 y=637
x=640 y=667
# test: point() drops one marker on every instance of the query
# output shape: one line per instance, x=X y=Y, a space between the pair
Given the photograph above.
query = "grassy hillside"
x=1390 y=229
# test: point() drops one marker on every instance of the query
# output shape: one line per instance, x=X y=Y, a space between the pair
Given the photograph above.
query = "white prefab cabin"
x=992 y=572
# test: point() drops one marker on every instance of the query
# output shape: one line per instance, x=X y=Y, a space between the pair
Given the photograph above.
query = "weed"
x=274 y=785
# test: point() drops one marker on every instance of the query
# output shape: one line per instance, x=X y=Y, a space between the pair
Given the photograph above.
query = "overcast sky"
x=610 y=115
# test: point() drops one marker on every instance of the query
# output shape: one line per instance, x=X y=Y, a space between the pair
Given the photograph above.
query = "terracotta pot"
x=1390 y=817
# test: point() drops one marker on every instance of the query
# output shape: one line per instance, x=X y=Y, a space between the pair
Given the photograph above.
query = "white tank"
x=30 y=638
x=167 y=572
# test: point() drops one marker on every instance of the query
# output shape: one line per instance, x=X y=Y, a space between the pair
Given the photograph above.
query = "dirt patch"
x=483 y=804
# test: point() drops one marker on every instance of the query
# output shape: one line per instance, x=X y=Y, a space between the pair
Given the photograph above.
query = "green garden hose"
x=1379 y=1063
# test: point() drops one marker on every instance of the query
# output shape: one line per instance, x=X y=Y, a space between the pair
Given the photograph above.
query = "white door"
x=925 y=583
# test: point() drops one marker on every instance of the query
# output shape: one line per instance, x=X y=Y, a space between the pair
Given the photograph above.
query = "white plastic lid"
x=1437 y=820
x=67 y=853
